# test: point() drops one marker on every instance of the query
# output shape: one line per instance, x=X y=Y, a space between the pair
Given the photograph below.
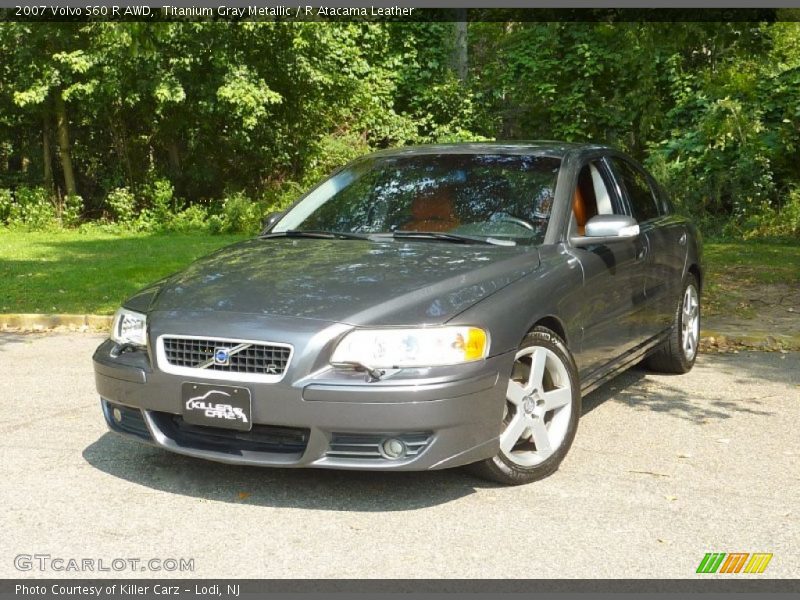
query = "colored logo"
x=222 y=357
x=735 y=562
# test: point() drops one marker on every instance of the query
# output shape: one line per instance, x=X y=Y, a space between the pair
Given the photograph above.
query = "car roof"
x=543 y=147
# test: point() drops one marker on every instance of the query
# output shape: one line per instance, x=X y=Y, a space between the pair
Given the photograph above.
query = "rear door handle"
x=682 y=239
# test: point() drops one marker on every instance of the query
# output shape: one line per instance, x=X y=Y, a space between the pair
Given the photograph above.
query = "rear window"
x=644 y=203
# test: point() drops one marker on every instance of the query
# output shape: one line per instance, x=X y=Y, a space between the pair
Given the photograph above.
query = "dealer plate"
x=221 y=406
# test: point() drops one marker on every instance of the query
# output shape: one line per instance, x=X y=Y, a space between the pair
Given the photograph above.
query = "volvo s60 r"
x=422 y=308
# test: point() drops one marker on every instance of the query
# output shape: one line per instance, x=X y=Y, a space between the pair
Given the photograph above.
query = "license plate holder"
x=222 y=406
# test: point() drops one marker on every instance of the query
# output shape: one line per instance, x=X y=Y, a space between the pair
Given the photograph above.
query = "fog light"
x=117 y=413
x=393 y=448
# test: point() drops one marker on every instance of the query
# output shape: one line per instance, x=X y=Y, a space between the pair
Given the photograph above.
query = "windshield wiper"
x=318 y=234
x=441 y=236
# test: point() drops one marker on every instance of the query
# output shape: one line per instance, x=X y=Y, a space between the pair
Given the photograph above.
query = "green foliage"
x=70 y=210
x=166 y=118
x=6 y=199
x=280 y=197
x=247 y=95
x=192 y=218
x=121 y=204
x=32 y=209
x=330 y=152
x=240 y=214
x=771 y=221
x=159 y=195
x=215 y=224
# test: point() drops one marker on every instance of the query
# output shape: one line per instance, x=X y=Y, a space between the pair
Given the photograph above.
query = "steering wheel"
x=514 y=220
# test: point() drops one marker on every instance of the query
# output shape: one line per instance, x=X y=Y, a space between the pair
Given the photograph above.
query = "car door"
x=666 y=240
x=613 y=273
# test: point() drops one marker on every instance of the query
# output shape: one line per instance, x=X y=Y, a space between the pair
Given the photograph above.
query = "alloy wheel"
x=690 y=322
x=538 y=407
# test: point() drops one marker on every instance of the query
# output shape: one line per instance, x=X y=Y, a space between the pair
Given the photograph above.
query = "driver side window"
x=592 y=196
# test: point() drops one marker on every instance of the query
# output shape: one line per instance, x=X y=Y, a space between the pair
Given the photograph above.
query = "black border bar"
x=705 y=584
x=157 y=14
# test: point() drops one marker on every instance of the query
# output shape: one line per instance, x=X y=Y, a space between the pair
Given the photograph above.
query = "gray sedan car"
x=422 y=308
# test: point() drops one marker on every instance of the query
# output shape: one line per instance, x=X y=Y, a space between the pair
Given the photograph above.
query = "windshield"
x=493 y=197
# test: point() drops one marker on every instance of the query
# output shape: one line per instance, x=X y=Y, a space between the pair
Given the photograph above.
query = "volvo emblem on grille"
x=222 y=357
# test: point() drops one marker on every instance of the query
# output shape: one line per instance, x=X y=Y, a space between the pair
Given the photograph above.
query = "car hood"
x=347 y=281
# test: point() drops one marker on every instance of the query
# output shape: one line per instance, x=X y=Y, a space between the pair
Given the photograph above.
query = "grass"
x=92 y=272
x=755 y=261
x=735 y=269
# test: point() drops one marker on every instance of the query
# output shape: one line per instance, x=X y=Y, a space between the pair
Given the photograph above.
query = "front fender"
x=551 y=292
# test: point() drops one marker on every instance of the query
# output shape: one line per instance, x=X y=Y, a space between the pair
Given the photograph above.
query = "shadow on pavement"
x=749 y=367
x=315 y=489
x=693 y=396
x=9 y=339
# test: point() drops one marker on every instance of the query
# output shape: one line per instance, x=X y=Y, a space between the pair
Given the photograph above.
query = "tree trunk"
x=121 y=146
x=175 y=167
x=63 y=144
x=174 y=154
x=460 y=50
x=47 y=156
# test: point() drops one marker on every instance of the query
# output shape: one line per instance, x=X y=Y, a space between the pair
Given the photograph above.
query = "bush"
x=192 y=218
x=240 y=214
x=158 y=211
x=161 y=201
x=6 y=198
x=158 y=208
x=71 y=209
x=216 y=224
x=331 y=152
x=121 y=203
x=790 y=214
x=32 y=209
x=771 y=222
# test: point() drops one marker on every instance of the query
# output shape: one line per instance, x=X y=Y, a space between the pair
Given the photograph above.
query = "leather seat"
x=433 y=211
x=580 y=210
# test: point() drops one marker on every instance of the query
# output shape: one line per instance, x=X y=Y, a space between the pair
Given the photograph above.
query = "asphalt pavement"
x=663 y=470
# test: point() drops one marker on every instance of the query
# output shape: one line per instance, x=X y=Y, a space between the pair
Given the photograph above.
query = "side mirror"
x=270 y=220
x=604 y=229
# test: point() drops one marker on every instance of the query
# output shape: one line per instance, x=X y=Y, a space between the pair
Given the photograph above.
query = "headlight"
x=397 y=348
x=129 y=327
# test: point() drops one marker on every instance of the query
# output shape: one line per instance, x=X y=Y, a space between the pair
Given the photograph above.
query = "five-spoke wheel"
x=541 y=411
x=538 y=406
x=690 y=326
x=679 y=350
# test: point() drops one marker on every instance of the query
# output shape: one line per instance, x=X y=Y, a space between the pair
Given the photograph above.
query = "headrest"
x=433 y=204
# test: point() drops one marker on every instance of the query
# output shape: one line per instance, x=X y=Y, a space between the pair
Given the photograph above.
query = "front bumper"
x=445 y=417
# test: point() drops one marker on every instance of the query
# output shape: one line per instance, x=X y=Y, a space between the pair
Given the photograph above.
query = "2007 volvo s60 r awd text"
x=421 y=308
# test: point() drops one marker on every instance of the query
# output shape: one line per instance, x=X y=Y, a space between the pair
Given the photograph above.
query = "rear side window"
x=643 y=201
x=666 y=203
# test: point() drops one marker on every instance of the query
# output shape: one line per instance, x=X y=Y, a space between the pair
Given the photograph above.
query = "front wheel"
x=543 y=405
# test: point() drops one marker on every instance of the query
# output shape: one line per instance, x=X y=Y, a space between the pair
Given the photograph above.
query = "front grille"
x=245 y=357
x=367 y=446
x=261 y=438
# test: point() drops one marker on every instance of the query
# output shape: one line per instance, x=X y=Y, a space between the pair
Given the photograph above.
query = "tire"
x=543 y=403
x=679 y=351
